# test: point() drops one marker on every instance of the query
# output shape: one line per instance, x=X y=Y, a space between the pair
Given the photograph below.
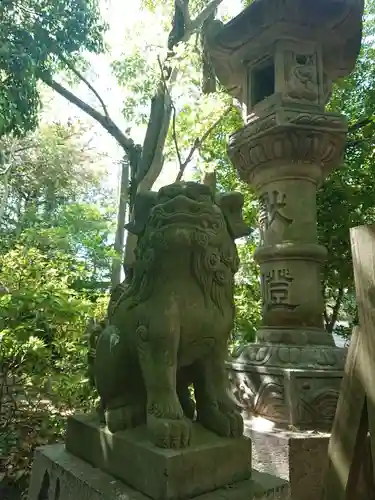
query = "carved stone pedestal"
x=298 y=457
x=210 y=469
x=210 y=462
x=295 y=386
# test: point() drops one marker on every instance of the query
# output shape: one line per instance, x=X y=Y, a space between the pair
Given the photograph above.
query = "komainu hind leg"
x=128 y=408
x=125 y=412
x=119 y=383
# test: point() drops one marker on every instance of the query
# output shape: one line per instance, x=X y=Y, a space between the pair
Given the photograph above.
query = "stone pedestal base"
x=298 y=457
x=58 y=475
x=295 y=386
x=210 y=462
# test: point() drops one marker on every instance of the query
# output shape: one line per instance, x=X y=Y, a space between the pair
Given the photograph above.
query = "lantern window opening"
x=262 y=81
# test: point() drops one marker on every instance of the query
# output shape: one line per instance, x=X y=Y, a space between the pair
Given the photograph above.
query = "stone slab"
x=299 y=457
x=59 y=475
x=210 y=462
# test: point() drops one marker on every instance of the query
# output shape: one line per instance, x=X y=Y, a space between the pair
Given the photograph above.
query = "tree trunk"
x=331 y=321
x=4 y=198
x=152 y=160
x=209 y=178
x=120 y=231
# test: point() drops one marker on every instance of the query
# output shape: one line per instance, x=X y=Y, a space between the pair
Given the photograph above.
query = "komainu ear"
x=144 y=202
x=231 y=205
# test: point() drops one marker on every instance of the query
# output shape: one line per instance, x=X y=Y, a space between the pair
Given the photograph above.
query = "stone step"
x=59 y=475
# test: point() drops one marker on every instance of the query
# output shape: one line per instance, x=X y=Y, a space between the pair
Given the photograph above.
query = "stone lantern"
x=279 y=59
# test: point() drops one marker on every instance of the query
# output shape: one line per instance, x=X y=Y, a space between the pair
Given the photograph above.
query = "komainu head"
x=187 y=214
x=184 y=230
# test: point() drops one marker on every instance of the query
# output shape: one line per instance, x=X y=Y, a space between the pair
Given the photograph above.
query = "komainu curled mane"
x=170 y=327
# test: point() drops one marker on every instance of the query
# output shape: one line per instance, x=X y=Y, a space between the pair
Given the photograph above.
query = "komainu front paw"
x=165 y=405
x=168 y=433
x=222 y=420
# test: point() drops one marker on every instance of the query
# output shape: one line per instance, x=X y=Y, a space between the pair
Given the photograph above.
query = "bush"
x=43 y=374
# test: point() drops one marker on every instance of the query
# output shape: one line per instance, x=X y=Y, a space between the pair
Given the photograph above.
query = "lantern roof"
x=336 y=24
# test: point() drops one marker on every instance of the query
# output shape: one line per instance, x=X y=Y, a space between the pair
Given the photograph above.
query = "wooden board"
x=350 y=450
x=346 y=426
x=363 y=253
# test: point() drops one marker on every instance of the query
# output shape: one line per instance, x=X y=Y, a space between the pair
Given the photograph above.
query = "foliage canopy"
x=35 y=37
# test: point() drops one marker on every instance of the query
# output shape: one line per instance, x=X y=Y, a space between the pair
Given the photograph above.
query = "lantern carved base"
x=294 y=386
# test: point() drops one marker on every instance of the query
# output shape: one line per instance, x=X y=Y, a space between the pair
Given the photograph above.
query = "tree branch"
x=106 y=122
x=158 y=160
x=154 y=143
x=174 y=133
x=157 y=130
x=174 y=111
x=360 y=124
x=159 y=106
x=74 y=70
x=196 y=23
x=198 y=144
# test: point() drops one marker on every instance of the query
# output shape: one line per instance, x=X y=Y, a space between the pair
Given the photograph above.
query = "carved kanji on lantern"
x=276 y=289
x=271 y=206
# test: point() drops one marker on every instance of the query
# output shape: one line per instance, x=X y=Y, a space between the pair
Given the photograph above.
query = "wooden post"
x=346 y=426
x=349 y=457
x=363 y=252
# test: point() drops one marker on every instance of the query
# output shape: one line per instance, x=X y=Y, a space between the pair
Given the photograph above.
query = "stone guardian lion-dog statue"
x=169 y=328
